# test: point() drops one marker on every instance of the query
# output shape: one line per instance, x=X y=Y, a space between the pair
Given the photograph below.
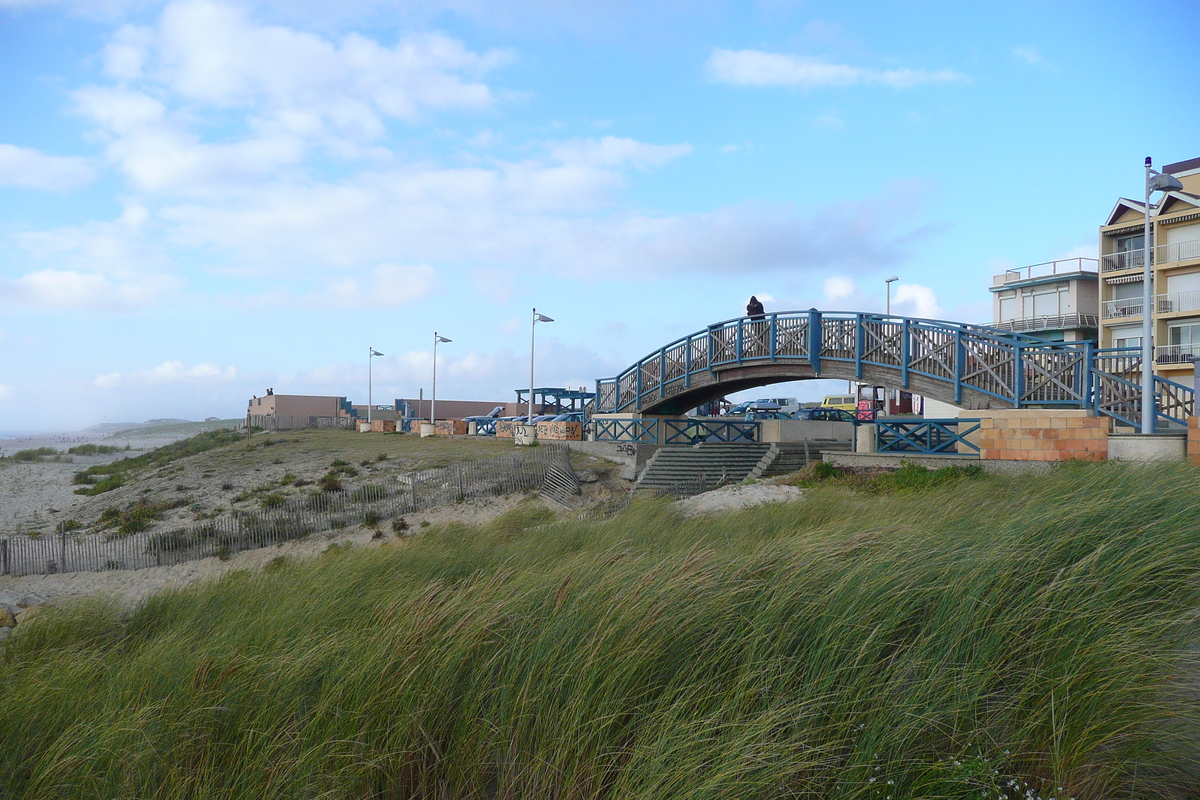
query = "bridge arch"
x=971 y=366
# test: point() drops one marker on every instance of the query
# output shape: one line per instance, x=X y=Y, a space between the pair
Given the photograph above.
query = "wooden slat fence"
x=297 y=518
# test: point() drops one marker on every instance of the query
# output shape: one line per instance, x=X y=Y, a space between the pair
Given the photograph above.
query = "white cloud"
x=32 y=169
x=168 y=373
x=1030 y=55
x=915 y=300
x=759 y=68
x=72 y=289
x=615 y=152
x=838 y=287
x=388 y=286
x=6 y=393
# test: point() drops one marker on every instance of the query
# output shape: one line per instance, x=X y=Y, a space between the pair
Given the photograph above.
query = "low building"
x=291 y=411
x=1058 y=301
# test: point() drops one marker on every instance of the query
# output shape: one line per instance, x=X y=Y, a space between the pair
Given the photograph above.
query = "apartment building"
x=1175 y=259
x=1057 y=301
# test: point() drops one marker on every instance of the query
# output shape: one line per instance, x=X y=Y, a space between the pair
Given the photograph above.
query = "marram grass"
x=994 y=638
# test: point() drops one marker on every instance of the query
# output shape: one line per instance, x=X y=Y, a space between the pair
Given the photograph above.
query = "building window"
x=1186 y=334
x=1008 y=306
x=1127 y=336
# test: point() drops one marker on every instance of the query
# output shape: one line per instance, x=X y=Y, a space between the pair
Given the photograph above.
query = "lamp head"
x=1162 y=182
x=375 y=352
x=893 y=278
x=541 y=318
x=441 y=338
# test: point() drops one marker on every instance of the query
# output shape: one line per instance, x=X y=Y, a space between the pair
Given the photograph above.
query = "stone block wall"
x=1035 y=434
x=1193 y=441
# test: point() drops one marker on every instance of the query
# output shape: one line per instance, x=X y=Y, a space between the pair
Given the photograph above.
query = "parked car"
x=755 y=416
x=827 y=414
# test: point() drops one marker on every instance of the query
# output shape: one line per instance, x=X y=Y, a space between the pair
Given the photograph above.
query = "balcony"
x=1179 y=301
x=1130 y=259
x=1117 y=309
x=1063 y=266
x=1061 y=322
x=1176 y=353
x=1177 y=251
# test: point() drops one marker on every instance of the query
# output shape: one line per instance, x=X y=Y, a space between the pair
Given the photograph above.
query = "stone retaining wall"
x=1193 y=441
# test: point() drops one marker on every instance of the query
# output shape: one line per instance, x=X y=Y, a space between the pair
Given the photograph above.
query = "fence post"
x=4 y=556
x=241 y=541
x=62 y=538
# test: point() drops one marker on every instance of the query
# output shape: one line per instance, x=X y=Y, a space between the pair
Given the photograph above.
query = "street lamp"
x=532 y=334
x=1155 y=182
x=433 y=401
x=888 y=284
x=370 y=401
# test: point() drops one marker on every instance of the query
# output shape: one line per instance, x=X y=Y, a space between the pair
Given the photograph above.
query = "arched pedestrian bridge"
x=971 y=366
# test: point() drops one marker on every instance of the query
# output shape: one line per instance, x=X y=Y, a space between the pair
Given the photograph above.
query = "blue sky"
x=201 y=199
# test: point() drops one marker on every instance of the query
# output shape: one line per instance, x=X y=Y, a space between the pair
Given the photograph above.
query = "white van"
x=788 y=405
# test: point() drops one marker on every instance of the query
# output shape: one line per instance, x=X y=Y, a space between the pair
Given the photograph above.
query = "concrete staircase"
x=690 y=470
x=685 y=471
x=791 y=456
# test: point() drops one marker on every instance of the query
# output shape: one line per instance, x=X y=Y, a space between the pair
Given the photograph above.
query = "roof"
x=1123 y=203
x=1182 y=166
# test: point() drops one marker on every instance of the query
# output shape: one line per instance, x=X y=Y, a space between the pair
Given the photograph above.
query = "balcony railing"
x=1179 y=301
x=1176 y=353
x=1063 y=266
x=1049 y=323
x=1130 y=259
x=1177 y=251
x=1115 y=309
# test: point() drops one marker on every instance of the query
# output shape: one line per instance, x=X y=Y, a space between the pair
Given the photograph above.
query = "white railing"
x=1063 y=266
x=1114 y=309
x=1047 y=323
x=1130 y=259
x=1178 y=301
x=1176 y=353
x=1177 y=251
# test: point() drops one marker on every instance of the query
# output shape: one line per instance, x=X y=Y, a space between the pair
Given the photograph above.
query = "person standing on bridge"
x=754 y=309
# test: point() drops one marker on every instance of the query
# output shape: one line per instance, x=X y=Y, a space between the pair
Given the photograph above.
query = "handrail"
x=1014 y=370
x=928 y=436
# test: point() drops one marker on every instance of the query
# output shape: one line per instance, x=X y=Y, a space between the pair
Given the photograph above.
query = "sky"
x=204 y=199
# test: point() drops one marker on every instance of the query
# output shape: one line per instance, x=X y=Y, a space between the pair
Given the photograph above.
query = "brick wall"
x=1031 y=434
x=1193 y=441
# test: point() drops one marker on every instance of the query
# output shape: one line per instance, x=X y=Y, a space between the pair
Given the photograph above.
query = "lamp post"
x=1155 y=182
x=370 y=400
x=433 y=400
x=888 y=283
x=532 y=338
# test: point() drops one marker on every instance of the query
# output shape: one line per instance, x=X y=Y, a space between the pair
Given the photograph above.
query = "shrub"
x=287 y=479
x=371 y=519
x=101 y=486
x=399 y=526
x=93 y=449
x=330 y=483
x=274 y=500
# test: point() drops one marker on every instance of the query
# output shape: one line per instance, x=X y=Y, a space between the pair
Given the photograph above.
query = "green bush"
x=274 y=500
x=93 y=449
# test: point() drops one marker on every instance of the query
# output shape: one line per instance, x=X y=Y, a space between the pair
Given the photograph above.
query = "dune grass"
x=1001 y=637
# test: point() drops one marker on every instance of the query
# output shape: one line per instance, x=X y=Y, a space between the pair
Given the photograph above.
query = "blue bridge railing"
x=925 y=436
x=1000 y=368
x=674 y=431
